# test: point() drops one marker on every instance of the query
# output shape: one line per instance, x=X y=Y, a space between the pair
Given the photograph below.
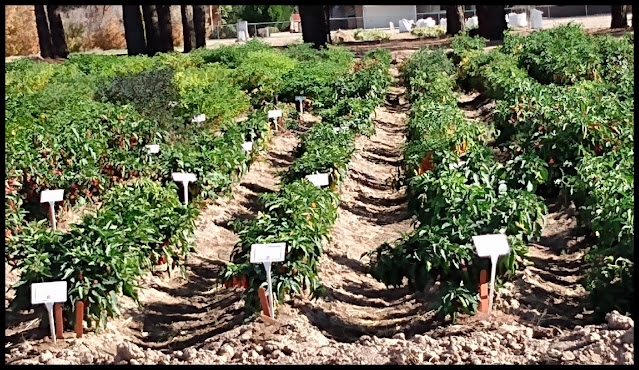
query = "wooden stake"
x=79 y=319
x=57 y=312
x=483 y=291
x=264 y=301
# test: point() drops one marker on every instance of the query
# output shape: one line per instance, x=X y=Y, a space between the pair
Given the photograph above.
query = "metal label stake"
x=52 y=196
x=274 y=115
x=49 y=293
x=185 y=178
x=301 y=99
x=493 y=246
x=267 y=254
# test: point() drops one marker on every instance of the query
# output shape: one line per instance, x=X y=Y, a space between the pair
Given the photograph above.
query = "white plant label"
x=153 y=148
x=338 y=129
x=247 y=146
x=267 y=254
x=52 y=196
x=271 y=252
x=184 y=178
x=199 y=118
x=49 y=293
x=318 y=179
x=275 y=113
x=300 y=99
x=493 y=246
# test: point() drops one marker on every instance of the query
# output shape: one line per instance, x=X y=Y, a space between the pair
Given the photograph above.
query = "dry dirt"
x=538 y=317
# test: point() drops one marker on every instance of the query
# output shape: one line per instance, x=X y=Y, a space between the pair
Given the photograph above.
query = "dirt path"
x=371 y=212
x=178 y=313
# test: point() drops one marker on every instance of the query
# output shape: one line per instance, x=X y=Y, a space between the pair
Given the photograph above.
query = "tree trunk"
x=57 y=32
x=455 y=22
x=187 y=27
x=619 y=15
x=327 y=23
x=151 y=29
x=492 y=21
x=133 y=29
x=166 y=32
x=199 y=25
x=44 y=38
x=315 y=26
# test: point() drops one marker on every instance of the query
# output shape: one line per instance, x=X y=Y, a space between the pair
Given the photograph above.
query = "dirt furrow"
x=548 y=292
x=372 y=211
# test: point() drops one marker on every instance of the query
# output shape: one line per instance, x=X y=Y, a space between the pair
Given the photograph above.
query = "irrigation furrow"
x=372 y=211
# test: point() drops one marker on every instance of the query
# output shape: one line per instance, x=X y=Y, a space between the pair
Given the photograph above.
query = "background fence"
x=264 y=29
x=549 y=11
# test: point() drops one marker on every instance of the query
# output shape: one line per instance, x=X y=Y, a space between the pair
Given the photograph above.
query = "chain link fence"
x=263 y=29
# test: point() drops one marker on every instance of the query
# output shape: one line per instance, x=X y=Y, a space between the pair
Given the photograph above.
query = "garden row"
x=583 y=128
x=301 y=214
x=456 y=189
x=83 y=126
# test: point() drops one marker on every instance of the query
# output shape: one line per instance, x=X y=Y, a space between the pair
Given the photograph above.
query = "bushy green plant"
x=105 y=254
x=429 y=32
x=261 y=74
x=371 y=35
x=209 y=90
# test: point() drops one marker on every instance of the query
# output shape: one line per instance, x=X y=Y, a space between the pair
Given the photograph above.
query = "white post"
x=493 y=272
x=267 y=266
x=185 y=184
x=49 y=306
x=52 y=209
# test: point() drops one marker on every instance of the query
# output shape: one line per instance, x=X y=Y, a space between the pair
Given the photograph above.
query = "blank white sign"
x=247 y=146
x=153 y=148
x=55 y=291
x=300 y=98
x=199 y=118
x=491 y=245
x=184 y=177
x=270 y=252
x=51 y=195
x=275 y=113
x=318 y=179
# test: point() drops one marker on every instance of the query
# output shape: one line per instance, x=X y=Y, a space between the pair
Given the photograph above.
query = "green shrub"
x=106 y=254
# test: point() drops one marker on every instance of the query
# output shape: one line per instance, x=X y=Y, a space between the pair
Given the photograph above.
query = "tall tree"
x=199 y=25
x=188 y=31
x=57 y=32
x=455 y=21
x=492 y=21
x=315 y=24
x=44 y=37
x=133 y=29
x=187 y=27
x=619 y=15
x=151 y=29
x=166 y=31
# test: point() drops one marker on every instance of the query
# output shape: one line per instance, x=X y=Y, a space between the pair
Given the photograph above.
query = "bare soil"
x=538 y=317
